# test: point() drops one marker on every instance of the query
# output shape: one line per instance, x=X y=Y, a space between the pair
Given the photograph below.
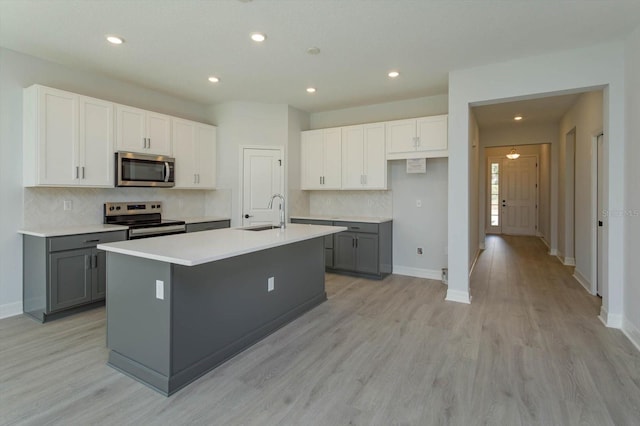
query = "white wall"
x=245 y=124
x=631 y=323
x=18 y=71
x=298 y=200
x=585 y=116
x=600 y=66
x=541 y=137
x=418 y=107
x=412 y=227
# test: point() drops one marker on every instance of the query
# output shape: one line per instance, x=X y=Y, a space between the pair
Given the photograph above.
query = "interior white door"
x=600 y=206
x=519 y=196
x=262 y=177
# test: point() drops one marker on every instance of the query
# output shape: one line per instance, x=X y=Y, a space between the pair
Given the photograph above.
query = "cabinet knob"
x=247 y=216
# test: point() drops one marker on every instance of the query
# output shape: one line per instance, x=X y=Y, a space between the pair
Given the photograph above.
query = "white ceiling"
x=533 y=111
x=174 y=45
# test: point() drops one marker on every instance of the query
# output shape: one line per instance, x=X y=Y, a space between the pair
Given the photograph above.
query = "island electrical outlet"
x=270 y=284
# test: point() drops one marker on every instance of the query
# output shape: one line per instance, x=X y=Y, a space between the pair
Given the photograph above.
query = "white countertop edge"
x=116 y=247
x=361 y=219
x=70 y=230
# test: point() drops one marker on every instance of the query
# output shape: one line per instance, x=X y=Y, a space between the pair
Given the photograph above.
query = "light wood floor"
x=528 y=350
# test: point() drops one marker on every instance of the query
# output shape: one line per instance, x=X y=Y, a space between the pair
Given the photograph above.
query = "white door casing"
x=600 y=206
x=262 y=176
x=519 y=196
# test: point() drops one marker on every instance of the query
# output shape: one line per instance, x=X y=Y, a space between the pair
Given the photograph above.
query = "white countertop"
x=207 y=246
x=362 y=219
x=51 y=231
x=200 y=219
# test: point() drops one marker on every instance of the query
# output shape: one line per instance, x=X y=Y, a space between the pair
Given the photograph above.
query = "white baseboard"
x=430 y=274
x=10 y=309
x=632 y=332
x=569 y=261
x=458 y=296
x=481 y=246
x=553 y=252
x=582 y=280
x=610 y=320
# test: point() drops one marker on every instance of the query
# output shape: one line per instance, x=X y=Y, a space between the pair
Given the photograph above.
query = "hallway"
x=544 y=355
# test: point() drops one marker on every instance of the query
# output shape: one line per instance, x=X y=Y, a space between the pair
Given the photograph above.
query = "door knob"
x=247 y=216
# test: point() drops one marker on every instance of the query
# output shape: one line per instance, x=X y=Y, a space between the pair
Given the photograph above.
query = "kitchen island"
x=179 y=305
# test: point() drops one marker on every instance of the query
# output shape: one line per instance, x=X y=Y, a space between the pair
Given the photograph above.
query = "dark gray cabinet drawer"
x=70 y=242
x=371 y=228
x=208 y=226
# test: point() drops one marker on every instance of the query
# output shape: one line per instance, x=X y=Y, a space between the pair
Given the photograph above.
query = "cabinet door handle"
x=82 y=172
x=198 y=177
x=356 y=242
x=92 y=241
x=353 y=242
x=365 y=179
x=77 y=172
x=95 y=261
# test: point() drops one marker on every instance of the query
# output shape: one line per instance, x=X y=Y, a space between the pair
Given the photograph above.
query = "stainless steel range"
x=144 y=219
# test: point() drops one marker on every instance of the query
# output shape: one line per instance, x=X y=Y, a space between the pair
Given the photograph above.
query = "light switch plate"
x=270 y=284
x=159 y=289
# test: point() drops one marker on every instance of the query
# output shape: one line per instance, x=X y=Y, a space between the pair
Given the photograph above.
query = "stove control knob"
x=111 y=208
x=118 y=208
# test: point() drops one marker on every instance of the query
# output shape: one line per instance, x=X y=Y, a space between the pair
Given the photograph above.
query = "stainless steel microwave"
x=133 y=169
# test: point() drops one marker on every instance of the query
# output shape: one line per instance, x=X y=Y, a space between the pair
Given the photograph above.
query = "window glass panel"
x=495 y=194
x=494 y=221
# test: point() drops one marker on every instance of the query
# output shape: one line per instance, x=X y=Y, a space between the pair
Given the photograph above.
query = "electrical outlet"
x=419 y=250
x=68 y=205
x=270 y=284
x=418 y=203
x=159 y=289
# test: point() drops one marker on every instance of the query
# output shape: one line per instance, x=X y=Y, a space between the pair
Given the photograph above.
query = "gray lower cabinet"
x=66 y=273
x=208 y=226
x=328 y=240
x=364 y=249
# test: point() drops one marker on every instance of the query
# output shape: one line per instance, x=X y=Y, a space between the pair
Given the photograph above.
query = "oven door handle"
x=167 y=171
x=164 y=230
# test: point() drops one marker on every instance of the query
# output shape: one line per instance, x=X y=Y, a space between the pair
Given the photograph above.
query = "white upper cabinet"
x=364 y=165
x=417 y=138
x=321 y=159
x=142 y=131
x=68 y=139
x=194 y=147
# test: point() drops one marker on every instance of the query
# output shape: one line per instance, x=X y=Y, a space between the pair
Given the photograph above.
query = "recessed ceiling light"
x=313 y=50
x=393 y=74
x=311 y=89
x=114 y=39
x=214 y=79
x=517 y=117
x=258 y=37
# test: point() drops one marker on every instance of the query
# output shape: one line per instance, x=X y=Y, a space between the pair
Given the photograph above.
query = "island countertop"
x=207 y=246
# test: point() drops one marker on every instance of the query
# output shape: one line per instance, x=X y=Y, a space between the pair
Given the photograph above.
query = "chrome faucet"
x=283 y=225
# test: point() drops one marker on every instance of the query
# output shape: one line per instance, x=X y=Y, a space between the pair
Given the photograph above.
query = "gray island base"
x=167 y=335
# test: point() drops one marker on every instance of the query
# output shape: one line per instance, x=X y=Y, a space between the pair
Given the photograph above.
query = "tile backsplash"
x=351 y=203
x=45 y=206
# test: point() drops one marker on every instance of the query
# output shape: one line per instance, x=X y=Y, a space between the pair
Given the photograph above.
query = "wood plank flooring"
x=529 y=350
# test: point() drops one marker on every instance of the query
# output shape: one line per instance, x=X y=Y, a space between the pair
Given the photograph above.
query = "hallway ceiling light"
x=114 y=39
x=393 y=74
x=214 y=79
x=513 y=154
x=517 y=117
x=311 y=89
x=258 y=37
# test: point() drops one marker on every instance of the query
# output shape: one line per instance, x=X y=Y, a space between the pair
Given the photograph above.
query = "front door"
x=262 y=177
x=519 y=196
